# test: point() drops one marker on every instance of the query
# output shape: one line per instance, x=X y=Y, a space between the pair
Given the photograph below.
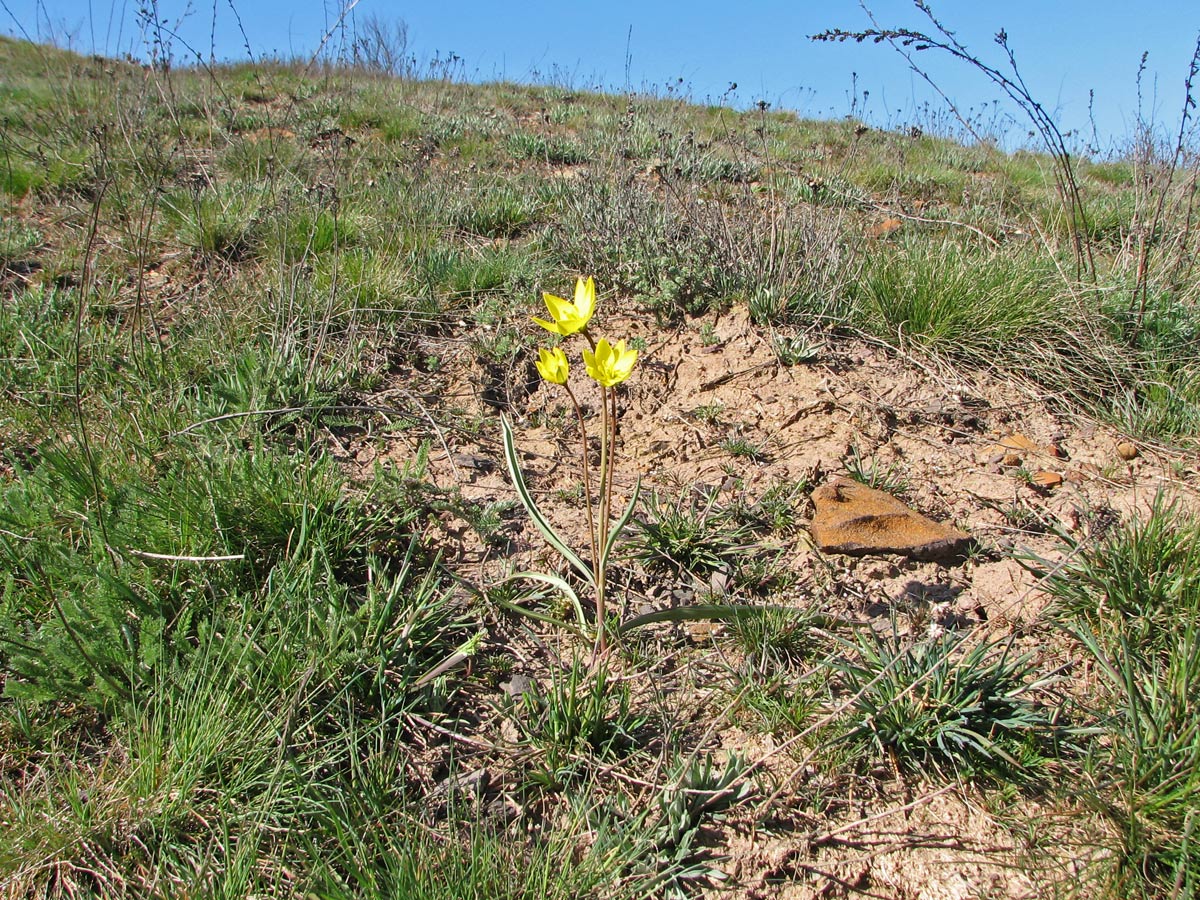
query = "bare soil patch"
x=945 y=437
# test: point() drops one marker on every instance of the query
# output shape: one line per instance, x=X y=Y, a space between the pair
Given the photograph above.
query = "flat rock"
x=885 y=228
x=1046 y=479
x=855 y=519
x=1018 y=442
x=1011 y=450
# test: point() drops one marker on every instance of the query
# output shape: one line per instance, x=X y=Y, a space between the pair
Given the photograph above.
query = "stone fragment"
x=1010 y=450
x=1127 y=451
x=473 y=461
x=854 y=519
x=1013 y=449
x=518 y=686
x=1018 y=441
x=720 y=582
x=1046 y=479
x=886 y=227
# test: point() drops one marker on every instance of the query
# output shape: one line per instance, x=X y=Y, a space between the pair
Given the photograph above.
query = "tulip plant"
x=608 y=365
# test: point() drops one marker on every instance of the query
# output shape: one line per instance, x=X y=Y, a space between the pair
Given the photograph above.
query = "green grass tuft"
x=943 y=703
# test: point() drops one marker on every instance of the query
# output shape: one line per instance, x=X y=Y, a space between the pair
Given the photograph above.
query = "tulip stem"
x=612 y=465
x=605 y=488
x=587 y=482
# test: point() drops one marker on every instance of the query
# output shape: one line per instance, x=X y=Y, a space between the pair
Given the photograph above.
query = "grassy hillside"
x=258 y=634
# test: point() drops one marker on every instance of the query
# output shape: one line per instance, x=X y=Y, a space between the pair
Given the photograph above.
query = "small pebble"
x=1127 y=451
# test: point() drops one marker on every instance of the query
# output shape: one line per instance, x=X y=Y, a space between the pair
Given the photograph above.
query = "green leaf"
x=548 y=532
x=558 y=584
x=712 y=611
x=620 y=524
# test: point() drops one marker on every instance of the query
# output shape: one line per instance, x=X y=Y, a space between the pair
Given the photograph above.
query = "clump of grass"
x=226 y=224
x=744 y=448
x=17 y=241
x=583 y=715
x=1139 y=582
x=556 y=151
x=498 y=211
x=717 y=549
x=305 y=233
x=776 y=509
x=1144 y=777
x=778 y=636
x=960 y=707
x=1132 y=601
x=1159 y=399
x=960 y=302
x=873 y=475
x=794 y=351
x=695 y=536
x=465 y=275
x=708 y=413
x=782 y=702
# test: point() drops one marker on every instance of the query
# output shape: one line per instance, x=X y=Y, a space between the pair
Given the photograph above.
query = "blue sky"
x=1065 y=48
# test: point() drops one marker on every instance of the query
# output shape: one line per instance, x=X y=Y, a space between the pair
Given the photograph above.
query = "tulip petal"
x=553 y=366
x=559 y=308
x=585 y=298
x=549 y=326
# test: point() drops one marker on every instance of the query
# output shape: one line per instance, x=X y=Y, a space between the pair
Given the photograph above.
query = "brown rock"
x=1013 y=449
x=886 y=227
x=1046 y=479
x=1018 y=441
x=855 y=519
x=1127 y=451
x=1010 y=450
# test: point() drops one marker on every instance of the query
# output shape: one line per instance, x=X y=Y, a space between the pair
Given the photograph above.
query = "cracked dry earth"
x=987 y=455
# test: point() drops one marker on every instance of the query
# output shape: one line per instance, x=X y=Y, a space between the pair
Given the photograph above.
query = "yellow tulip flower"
x=610 y=364
x=552 y=364
x=570 y=317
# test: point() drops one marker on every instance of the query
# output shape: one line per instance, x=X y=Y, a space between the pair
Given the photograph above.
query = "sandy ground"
x=970 y=450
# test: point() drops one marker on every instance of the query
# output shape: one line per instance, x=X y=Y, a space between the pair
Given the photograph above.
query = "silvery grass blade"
x=621 y=523
x=687 y=614
x=547 y=530
x=464 y=652
x=558 y=584
x=718 y=611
